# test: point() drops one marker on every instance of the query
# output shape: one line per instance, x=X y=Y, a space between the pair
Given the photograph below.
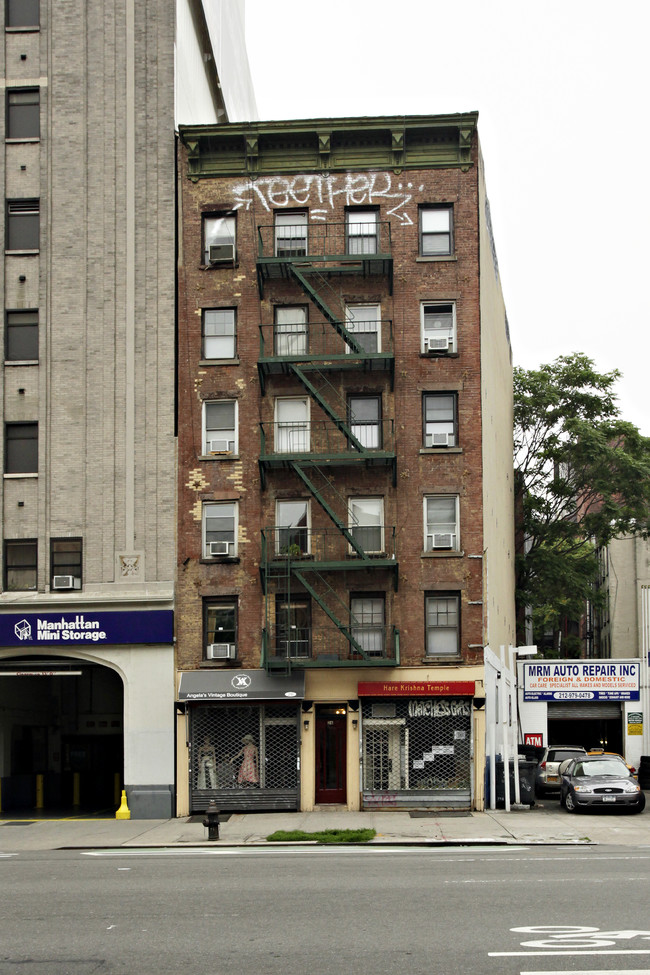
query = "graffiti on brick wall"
x=322 y=193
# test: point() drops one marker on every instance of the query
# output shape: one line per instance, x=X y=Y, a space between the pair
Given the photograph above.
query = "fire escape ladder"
x=332 y=318
x=339 y=624
x=340 y=424
x=299 y=468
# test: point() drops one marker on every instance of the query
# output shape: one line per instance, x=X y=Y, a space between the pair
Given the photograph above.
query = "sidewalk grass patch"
x=322 y=836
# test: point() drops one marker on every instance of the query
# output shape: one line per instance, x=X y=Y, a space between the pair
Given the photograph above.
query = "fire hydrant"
x=212 y=821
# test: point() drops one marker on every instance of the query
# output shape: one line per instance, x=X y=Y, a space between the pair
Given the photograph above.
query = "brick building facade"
x=345 y=489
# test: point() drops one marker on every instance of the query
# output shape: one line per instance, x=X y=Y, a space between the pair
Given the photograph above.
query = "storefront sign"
x=239 y=685
x=635 y=723
x=441 y=688
x=534 y=739
x=581 y=680
x=67 y=630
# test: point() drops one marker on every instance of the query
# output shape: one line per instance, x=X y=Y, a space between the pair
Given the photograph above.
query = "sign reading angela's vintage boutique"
x=79 y=629
x=581 y=680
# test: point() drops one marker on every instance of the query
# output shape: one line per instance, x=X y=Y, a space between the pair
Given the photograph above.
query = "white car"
x=547 y=776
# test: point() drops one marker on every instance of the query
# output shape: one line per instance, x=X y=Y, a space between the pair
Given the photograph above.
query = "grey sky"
x=561 y=89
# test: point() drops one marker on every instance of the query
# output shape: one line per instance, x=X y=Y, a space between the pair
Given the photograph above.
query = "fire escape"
x=300 y=563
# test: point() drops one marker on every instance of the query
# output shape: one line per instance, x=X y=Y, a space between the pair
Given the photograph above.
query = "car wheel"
x=570 y=804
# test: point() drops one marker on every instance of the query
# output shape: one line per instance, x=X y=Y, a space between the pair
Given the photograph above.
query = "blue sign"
x=582 y=680
x=67 y=630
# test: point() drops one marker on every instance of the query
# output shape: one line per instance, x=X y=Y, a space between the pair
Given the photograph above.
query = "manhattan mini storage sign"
x=83 y=629
x=581 y=680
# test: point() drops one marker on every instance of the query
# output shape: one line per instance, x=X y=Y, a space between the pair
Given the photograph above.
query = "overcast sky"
x=561 y=89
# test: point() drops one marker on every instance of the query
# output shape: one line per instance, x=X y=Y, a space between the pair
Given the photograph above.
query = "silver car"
x=599 y=781
x=547 y=775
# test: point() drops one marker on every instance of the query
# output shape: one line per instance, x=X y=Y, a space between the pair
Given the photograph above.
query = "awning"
x=240 y=685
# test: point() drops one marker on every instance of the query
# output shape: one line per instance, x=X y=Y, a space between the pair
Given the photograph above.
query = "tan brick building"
x=345 y=492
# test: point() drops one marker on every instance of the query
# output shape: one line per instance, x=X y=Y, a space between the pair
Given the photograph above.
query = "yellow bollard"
x=76 y=789
x=123 y=812
x=39 y=792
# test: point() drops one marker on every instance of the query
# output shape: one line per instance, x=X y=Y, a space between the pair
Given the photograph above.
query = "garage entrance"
x=61 y=736
x=598 y=724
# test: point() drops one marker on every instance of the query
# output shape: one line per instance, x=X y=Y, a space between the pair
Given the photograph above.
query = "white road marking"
x=572 y=954
x=594 y=971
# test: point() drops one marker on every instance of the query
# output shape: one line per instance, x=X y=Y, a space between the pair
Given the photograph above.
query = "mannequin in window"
x=248 y=773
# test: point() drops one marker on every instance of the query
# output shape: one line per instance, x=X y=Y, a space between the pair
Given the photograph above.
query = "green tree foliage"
x=584 y=478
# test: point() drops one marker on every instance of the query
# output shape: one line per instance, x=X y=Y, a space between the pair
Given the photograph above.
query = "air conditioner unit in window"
x=219 y=253
x=221 y=651
x=66 y=582
x=441 y=540
x=440 y=440
x=437 y=343
x=219 y=548
x=221 y=446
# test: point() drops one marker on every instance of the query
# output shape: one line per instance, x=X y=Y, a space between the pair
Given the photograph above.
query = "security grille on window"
x=292 y=627
x=220 y=427
x=219 y=239
x=438 y=328
x=365 y=324
x=292 y=528
x=219 y=333
x=20 y=564
x=220 y=630
x=219 y=529
x=367 y=617
x=362 y=228
x=442 y=625
x=23 y=109
x=292 y=428
x=440 y=420
x=436 y=231
x=23 y=225
x=366 y=520
x=291 y=234
x=365 y=420
x=441 y=523
x=21 y=448
x=21 y=336
x=290 y=331
x=65 y=563
x=22 y=13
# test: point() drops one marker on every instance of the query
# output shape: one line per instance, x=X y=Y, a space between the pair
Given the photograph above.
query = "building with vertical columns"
x=88 y=510
x=345 y=481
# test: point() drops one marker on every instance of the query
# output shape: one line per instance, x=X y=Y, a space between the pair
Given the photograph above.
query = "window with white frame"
x=364 y=415
x=438 y=327
x=220 y=629
x=219 y=238
x=367 y=619
x=364 y=321
x=442 y=627
x=366 y=523
x=292 y=528
x=219 y=333
x=292 y=425
x=293 y=626
x=291 y=234
x=361 y=230
x=436 y=230
x=219 y=529
x=290 y=330
x=441 y=522
x=439 y=414
x=220 y=427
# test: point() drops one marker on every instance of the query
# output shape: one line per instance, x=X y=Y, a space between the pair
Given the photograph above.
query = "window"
x=291 y=234
x=362 y=226
x=21 y=13
x=439 y=412
x=220 y=427
x=21 y=336
x=364 y=321
x=441 y=522
x=292 y=626
x=20 y=565
x=220 y=629
x=219 y=239
x=292 y=528
x=438 y=327
x=436 y=231
x=442 y=629
x=23 y=225
x=366 y=523
x=219 y=529
x=23 y=113
x=367 y=618
x=219 y=335
x=290 y=331
x=364 y=415
x=65 y=563
x=21 y=448
x=292 y=425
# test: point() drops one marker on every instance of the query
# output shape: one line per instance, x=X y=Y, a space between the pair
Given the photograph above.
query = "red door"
x=331 y=732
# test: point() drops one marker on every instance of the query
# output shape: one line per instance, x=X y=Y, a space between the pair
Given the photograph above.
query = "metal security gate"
x=416 y=753
x=244 y=757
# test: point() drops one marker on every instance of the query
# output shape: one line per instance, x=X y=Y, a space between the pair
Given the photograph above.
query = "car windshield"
x=559 y=755
x=604 y=766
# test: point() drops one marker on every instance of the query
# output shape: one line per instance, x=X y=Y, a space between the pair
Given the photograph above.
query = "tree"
x=583 y=477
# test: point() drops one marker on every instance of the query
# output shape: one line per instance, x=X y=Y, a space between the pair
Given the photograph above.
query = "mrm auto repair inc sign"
x=582 y=680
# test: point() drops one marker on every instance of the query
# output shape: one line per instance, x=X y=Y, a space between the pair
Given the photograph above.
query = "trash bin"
x=526 y=783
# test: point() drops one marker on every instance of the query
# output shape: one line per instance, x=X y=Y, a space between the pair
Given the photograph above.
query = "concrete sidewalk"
x=537 y=825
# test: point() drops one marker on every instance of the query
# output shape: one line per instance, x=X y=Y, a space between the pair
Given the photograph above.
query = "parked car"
x=547 y=776
x=601 y=751
x=599 y=781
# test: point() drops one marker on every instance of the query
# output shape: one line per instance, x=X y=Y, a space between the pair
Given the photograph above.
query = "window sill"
x=220 y=664
x=19 y=140
x=220 y=560
x=224 y=456
x=438 y=355
x=13 y=477
x=23 y=253
x=219 y=362
x=223 y=266
x=441 y=450
x=437 y=259
x=22 y=30
x=21 y=362
x=443 y=553
x=442 y=660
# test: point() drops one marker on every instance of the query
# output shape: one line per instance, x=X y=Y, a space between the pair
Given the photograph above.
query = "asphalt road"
x=325 y=911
